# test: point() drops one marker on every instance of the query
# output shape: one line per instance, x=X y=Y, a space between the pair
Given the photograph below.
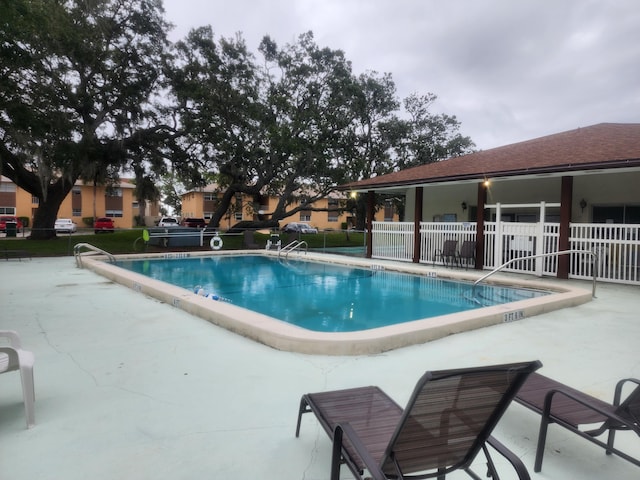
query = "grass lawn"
x=130 y=241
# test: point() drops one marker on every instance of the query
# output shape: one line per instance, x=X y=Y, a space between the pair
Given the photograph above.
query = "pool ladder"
x=78 y=254
x=295 y=245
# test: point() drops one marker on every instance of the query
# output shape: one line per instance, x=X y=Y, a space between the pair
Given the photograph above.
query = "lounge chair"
x=13 y=358
x=449 y=252
x=447 y=422
x=570 y=408
x=467 y=253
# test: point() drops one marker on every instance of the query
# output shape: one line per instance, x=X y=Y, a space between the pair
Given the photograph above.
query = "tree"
x=431 y=137
x=76 y=82
x=273 y=130
x=215 y=90
x=310 y=98
x=375 y=131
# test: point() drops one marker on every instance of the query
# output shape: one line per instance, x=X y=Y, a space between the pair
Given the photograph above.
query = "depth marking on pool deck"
x=284 y=336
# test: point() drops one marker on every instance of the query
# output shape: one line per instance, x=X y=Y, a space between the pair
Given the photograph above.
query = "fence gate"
x=520 y=239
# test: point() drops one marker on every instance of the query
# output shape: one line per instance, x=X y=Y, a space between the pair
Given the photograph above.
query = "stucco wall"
x=595 y=189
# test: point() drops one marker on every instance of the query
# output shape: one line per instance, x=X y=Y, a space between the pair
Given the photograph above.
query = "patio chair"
x=447 y=422
x=570 y=408
x=449 y=252
x=13 y=358
x=467 y=253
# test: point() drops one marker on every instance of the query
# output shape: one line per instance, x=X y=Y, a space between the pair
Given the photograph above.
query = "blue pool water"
x=324 y=297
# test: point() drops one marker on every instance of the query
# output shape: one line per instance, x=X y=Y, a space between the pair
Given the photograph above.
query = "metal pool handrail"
x=293 y=246
x=594 y=261
x=78 y=246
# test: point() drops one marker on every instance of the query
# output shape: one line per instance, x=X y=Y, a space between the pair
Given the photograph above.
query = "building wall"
x=443 y=202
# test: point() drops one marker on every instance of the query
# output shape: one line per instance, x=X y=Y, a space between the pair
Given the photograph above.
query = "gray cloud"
x=508 y=70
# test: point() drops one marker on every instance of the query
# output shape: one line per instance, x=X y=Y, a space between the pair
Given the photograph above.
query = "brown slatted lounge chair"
x=467 y=253
x=447 y=422
x=449 y=252
x=570 y=408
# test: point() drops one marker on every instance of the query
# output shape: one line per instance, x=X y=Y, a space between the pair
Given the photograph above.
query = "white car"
x=299 y=227
x=65 y=225
x=168 y=222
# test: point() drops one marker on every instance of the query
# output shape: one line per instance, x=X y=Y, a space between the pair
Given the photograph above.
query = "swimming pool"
x=324 y=297
x=285 y=336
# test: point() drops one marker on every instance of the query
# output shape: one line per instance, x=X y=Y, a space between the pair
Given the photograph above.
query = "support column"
x=566 y=200
x=482 y=199
x=417 y=218
x=371 y=210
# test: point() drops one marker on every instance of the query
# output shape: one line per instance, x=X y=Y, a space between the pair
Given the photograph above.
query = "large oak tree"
x=76 y=81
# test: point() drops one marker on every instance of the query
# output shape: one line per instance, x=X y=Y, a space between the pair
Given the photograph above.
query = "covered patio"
x=574 y=191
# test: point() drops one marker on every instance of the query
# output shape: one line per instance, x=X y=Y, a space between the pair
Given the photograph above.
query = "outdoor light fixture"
x=583 y=204
x=464 y=206
x=486 y=183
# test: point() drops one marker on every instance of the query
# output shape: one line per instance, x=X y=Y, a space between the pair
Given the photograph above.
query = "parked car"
x=65 y=225
x=103 y=224
x=300 y=227
x=168 y=222
x=3 y=223
x=193 y=222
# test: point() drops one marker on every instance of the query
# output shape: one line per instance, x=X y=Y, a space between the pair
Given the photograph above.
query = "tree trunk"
x=46 y=213
x=221 y=209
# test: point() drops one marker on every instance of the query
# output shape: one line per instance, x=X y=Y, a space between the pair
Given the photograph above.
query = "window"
x=305 y=216
x=77 y=212
x=617 y=214
x=333 y=213
x=388 y=211
x=35 y=201
x=113 y=213
x=8 y=210
x=7 y=187
x=209 y=196
x=114 y=192
x=76 y=190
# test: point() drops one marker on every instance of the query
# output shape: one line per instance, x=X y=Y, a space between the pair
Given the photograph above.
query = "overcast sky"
x=509 y=70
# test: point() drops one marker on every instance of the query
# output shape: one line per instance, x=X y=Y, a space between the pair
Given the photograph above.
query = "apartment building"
x=84 y=201
x=201 y=203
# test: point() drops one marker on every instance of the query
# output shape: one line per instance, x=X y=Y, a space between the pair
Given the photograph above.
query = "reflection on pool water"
x=325 y=297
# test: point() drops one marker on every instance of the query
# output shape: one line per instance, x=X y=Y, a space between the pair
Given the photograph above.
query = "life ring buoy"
x=216 y=243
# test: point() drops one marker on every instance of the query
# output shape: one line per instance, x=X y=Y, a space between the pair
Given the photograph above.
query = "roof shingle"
x=606 y=145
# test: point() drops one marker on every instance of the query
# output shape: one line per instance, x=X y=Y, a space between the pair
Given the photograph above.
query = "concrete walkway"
x=128 y=387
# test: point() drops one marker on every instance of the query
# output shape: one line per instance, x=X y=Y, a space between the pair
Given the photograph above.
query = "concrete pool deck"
x=129 y=387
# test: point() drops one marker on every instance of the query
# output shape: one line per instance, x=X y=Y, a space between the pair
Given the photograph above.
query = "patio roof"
x=599 y=147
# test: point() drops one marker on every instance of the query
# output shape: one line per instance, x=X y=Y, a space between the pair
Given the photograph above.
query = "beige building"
x=83 y=202
x=201 y=203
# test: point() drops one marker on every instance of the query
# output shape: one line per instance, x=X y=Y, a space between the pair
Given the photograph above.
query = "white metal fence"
x=617 y=246
x=393 y=240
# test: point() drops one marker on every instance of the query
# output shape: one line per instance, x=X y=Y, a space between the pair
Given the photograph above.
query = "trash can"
x=12 y=229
